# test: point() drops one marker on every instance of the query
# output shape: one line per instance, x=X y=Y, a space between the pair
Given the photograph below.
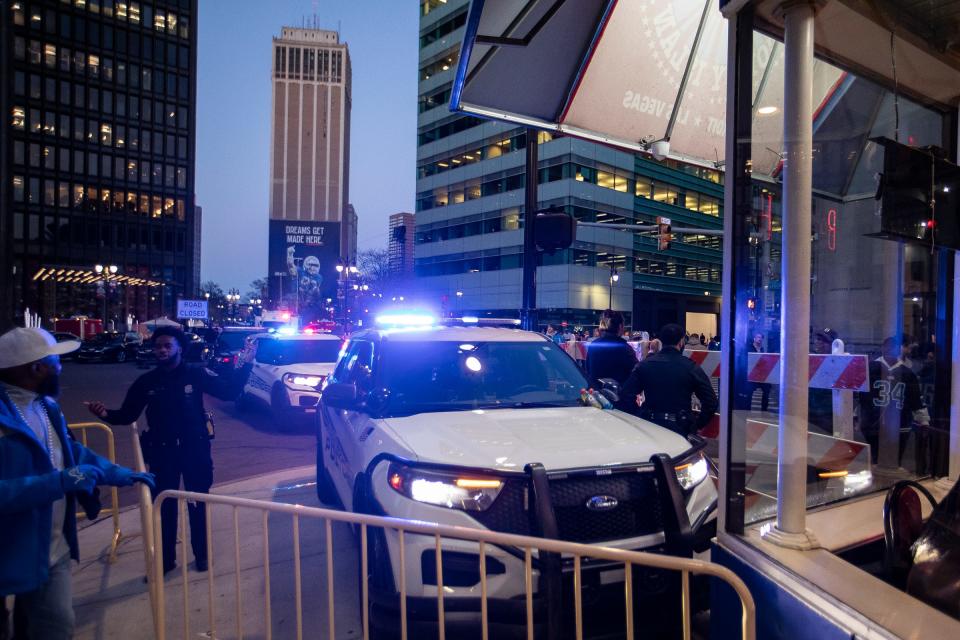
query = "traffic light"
x=663 y=233
x=554 y=229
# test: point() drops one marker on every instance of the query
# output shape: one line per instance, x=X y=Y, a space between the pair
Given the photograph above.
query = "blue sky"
x=233 y=121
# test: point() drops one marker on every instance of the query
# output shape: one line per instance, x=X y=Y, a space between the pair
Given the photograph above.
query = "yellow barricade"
x=81 y=429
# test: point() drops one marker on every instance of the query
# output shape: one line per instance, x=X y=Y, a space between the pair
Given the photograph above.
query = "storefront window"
x=877 y=334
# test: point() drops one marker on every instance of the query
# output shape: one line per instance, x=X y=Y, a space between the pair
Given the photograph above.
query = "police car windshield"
x=449 y=376
x=233 y=340
x=282 y=352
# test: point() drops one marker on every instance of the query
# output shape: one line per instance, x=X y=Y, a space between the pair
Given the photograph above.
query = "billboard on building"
x=303 y=259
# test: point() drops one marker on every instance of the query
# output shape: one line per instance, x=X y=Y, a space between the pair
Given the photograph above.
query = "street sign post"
x=192 y=309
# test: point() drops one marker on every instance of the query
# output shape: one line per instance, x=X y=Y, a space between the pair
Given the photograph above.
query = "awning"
x=631 y=72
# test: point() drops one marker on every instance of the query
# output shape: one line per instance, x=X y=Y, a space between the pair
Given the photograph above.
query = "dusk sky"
x=233 y=121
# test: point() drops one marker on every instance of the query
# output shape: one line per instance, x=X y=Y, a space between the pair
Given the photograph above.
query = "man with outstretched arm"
x=43 y=474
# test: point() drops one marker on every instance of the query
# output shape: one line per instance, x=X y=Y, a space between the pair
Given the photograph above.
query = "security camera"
x=660 y=149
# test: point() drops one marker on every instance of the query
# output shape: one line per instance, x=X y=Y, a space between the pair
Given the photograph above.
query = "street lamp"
x=105 y=271
x=614 y=277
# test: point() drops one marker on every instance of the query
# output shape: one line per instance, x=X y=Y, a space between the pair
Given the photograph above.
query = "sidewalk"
x=112 y=601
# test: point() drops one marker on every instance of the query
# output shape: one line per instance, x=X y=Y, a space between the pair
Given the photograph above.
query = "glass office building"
x=97 y=153
x=469 y=211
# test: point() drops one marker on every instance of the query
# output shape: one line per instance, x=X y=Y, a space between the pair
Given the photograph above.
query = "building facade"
x=310 y=132
x=97 y=152
x=469 y=211
x=400 y=245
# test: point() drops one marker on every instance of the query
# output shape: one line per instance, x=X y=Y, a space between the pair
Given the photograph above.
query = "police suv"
x=287 y=370
x=484 y=427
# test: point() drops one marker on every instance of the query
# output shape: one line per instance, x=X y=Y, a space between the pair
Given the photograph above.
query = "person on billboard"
x=309 y=279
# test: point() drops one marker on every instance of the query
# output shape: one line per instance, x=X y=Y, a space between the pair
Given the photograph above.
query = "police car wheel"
x=280 y=406
x=121 y=356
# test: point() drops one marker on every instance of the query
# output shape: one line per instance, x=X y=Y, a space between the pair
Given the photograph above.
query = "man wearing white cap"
x=42 y=473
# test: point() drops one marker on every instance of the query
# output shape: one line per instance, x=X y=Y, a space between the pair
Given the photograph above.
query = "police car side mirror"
x=340 y=395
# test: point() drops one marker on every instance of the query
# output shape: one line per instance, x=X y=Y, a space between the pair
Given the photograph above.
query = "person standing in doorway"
x=177 y=444
x=757 y=347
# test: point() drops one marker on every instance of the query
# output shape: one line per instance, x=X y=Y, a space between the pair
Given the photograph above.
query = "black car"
x=110 y=346
x=227 y=346
x=197 y=350
x=64 y=336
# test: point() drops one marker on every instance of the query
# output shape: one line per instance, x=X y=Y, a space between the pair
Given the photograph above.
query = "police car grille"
x=510 y=512
x=637 y=512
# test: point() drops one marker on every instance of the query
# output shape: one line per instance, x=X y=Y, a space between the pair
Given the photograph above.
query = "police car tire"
x=280 y=407
x=121 y=356
x=242 y=403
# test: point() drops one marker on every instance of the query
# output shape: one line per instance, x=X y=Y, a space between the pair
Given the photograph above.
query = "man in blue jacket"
x=42 y=473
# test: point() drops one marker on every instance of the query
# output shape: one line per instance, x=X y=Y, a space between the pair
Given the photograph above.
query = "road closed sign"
x=192 y=309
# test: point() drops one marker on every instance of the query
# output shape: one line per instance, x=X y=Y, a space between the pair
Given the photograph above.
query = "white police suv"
x=483 y=427
x=288 y=369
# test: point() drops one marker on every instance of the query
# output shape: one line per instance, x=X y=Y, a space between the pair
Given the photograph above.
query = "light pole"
x=614 y=277
x=105 y=271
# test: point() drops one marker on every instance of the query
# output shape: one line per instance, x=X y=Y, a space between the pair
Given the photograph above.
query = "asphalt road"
x=247 y=444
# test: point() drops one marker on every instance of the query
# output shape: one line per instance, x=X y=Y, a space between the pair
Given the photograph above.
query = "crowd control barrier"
x=529 y=547
x=82 y=429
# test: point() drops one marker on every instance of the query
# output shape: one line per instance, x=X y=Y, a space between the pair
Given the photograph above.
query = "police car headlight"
x=302 y=381
x=454 y=491
x=692 y=471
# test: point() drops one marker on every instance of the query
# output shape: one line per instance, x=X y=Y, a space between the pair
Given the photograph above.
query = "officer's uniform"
x=668 y=379
x=177 y=443
x=609 y=356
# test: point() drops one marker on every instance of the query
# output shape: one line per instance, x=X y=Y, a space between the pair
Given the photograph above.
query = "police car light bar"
x=496 y=322
x=406 y=320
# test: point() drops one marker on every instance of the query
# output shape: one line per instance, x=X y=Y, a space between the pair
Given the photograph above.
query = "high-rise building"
x=400 y=243
x=469 y=211
x=97 y=157
x=311 y=221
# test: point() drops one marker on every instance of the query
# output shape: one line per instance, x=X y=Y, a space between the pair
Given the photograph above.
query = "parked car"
x=110 y=346
x=459 y=425
x=227 y=346
x=287 y=371
x=65 y=336
x=196 y=351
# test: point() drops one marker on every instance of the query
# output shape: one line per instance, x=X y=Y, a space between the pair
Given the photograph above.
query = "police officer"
x=178 y=440
x=667 y=379
x=609 y=356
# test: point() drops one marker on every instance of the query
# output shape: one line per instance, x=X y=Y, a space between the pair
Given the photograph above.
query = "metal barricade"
x=82 y=428
x=484 y=538
x=145 y=502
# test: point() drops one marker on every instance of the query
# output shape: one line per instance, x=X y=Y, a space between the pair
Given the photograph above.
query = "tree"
x=258 y=290
x=374 y=265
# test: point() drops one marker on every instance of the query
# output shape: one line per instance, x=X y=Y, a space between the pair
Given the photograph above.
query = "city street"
x=247 y=444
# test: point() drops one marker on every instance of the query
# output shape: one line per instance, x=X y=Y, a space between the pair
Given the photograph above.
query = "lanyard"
x=45 y=421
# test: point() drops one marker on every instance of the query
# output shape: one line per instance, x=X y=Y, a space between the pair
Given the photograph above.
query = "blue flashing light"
x=470 y=319
x=286 y=331
x=406 y=320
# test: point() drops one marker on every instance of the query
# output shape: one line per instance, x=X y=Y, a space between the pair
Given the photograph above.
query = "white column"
x=790 y=530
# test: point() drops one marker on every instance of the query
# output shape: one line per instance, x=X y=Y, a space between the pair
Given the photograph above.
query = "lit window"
x=17 y=8
x=80 y=4
x=135 y=12
x=106 y=134
x=121 y=8
x=94 y=63
x=172 y=23
x=50 y=55
x=160 y=22
x=18 y=118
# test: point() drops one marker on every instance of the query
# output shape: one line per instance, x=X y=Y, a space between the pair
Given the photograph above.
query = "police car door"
x=344 y=430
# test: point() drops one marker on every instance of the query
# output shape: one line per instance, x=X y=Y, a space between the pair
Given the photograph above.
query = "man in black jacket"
x=609 y=356
x=178 y=441
x=667 y=380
